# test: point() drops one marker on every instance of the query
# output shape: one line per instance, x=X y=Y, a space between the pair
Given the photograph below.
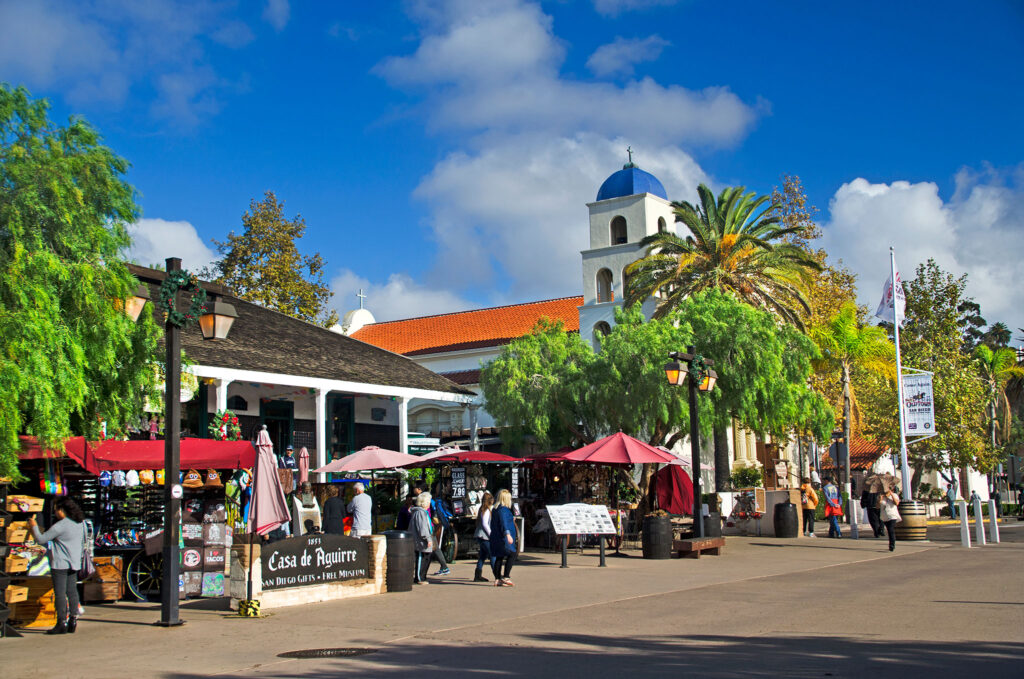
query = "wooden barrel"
x=657 y=537
x=914 y=526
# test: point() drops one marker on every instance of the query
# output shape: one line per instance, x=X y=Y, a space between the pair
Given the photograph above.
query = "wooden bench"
x=691 y=549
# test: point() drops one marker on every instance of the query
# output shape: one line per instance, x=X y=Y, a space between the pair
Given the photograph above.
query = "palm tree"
x=845 y=343
x=735 y=243
x=997 y=367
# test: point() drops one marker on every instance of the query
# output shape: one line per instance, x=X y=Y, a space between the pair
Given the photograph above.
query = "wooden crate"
x=38 y=609
x=103 y=590
x=24 y=503
x=15 y=593
x=17 y=532
x=109 y=568
x=15 y=564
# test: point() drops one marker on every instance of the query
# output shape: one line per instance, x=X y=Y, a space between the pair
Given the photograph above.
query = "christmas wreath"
x=224 y=426
x=187 y=282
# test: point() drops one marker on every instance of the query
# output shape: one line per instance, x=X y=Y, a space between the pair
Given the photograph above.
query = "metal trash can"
x=787 y=524
x=401 y=560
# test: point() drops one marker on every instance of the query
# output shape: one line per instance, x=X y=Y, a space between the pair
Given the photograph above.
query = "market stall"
x=119 y=485
x=460 y=480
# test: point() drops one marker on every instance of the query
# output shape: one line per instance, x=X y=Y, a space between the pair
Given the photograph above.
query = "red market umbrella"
x=618 y=449
x=465 y=457
x=674 y=489
x=369 y=459
x=303 y=465
x=269 y=507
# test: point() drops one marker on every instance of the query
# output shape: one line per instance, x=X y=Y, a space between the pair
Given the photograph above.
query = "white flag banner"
x=918 y=405
x=885 y=307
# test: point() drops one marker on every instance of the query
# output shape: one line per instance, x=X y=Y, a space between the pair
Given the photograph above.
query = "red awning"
x=195 y=454
x=112 y=455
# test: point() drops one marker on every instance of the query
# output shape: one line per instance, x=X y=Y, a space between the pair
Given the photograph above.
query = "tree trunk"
x=915 y=480
x=721 y=459
x=646 y=501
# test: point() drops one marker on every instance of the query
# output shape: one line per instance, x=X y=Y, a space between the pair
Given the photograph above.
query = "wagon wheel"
x=450 y=545
x=145 y=572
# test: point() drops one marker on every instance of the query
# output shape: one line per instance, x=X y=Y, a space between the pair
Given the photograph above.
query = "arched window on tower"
x=601 y=329
x=605 y=292
x=619 y=231
x=662 y=226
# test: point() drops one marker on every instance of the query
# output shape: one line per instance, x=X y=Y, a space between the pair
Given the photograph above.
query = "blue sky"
x=442 y=153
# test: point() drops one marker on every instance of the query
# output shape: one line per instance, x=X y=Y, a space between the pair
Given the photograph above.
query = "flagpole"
x=904 y=469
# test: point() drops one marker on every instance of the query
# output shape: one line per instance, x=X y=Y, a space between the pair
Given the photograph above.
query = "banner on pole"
x=892 y=305
x=918 y=405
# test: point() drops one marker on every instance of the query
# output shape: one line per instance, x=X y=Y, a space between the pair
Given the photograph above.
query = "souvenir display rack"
x=6 y=630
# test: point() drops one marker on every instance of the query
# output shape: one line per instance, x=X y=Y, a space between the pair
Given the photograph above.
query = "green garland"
x=188 y=282
x=697 y=369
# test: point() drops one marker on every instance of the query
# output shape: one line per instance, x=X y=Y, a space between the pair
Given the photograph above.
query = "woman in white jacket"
x=423 y=535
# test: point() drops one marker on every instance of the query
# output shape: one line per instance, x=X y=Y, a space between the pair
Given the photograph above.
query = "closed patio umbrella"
x=303 y=465
x=270 y=509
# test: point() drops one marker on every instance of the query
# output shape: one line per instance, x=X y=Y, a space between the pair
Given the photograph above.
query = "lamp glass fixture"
x=134 y=305
x=217 y=319
x=708 y=382
x=675 y=373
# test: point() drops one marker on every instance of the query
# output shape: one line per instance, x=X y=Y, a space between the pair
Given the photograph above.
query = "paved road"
x=767 y=607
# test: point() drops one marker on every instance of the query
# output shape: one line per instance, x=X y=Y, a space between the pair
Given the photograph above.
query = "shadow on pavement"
x=572 y=655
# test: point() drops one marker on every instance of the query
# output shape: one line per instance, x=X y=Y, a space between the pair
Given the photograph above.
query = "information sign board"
x=314 y=559
x=918 y=405
x=581 y=519
x=458 y=482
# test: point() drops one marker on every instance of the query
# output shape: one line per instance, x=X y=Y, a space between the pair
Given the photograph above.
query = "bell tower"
x=631 y=205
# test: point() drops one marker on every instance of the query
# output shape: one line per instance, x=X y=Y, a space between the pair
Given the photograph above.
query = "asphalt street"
x=766 y=607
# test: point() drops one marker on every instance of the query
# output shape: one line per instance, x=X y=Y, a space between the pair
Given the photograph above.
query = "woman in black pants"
x=67 y=541
x=890 y=515
x=503 y=540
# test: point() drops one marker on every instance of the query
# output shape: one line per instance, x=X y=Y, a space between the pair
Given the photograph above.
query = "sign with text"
x=314 y=560
x=458 y=482
x=515 y=481
x=918 y=405
x=578 y=518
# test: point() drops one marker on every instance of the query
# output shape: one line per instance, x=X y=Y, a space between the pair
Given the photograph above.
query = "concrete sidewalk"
x=633 y=616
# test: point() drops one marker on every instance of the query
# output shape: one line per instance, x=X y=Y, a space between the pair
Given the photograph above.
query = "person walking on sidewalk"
x=503 y=539
x=869 y=501
x=951 y=500
x=483 y=536
x=833 y=508
x=423 y=535
x=890 y=515
x=809 y=501
x=66 y=540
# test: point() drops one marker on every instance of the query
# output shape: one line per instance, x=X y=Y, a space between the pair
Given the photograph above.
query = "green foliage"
x=997 y=368
x=932 y=339
x=762 y=367
x=263 y=265
x=735 y=244
x=70 y=356
x=750 y=477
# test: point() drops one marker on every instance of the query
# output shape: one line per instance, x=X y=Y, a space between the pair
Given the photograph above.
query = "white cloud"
x=507 y=208
x=616 y=7
x=516 y=209
x=277 y=13
x=398 y=297
x=154 y=240
x=621 y=56
x=103 y=51
x=977 y=232
x=494 y=68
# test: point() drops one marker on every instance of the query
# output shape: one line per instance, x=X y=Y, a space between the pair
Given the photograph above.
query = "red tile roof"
x=469 y=329
x=863 y=454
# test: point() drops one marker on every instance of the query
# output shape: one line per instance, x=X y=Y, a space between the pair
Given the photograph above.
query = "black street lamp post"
x=215 y=322
x=700 y=376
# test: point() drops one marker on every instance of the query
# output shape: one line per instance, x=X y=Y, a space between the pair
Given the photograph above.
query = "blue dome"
x=629 y=181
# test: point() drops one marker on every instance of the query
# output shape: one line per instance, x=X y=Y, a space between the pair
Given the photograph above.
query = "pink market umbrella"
x=270 y=509
x=303 y=465
x=369 y=458
x=686 y=462
x=618 y=449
